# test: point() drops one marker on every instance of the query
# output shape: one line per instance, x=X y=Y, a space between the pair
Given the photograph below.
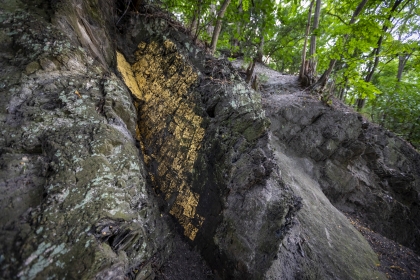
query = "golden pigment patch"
x=170 y=131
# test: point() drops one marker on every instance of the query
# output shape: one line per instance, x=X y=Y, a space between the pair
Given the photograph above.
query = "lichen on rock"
x=68 y=136
x=84 y=154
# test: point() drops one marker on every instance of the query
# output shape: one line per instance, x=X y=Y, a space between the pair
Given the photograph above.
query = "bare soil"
x=396 y=261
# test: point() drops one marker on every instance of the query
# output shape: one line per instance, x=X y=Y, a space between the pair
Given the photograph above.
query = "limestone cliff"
x=113 y=133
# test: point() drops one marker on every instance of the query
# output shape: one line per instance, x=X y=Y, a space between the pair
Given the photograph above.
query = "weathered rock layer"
x=74 y=201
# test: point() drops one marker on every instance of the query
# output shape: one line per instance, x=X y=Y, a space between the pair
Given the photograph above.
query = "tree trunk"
x=218 y=26
x=341 y=95
x=195 y=23
x=402 y=60
x=250 y=71
x=260 y=53
x=212 y=13
x=312 y=48
x=255 y=83
x=238 y=29
x=302 y=72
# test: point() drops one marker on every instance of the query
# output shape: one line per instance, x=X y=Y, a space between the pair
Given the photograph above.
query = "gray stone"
x=70 y=166
x=363 y=169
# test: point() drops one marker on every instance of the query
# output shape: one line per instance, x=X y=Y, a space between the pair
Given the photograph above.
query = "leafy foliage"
x=376 y=54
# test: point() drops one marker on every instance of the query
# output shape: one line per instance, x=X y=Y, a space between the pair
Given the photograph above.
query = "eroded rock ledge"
x=363 y=169
x=213 y=167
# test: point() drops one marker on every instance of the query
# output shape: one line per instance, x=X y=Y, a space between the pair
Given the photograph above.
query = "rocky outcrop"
x=104 y=147
x=363 y=169
x=74 y=202
x=77 y=203
x=205 y=143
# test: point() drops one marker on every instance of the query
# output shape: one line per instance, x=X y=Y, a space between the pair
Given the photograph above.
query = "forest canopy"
x=365 y=52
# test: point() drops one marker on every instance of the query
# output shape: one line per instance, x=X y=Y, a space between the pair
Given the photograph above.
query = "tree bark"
x=312 y=48
x=308 y=28
x=212 y=13
x=260 y=52
x=218 y=26
x=195 y=23
x=250 y=71
x=402 y=60
x=238 y=29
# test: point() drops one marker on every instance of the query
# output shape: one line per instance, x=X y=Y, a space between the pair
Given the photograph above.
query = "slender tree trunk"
x=302 y=71
x=212 y=13
x=376 y=52
x=196 y=19
x=238 y=29
x=218 y=26
x=260 y=52
x=236 y=41
x=402 y=60
x=322 y=81
x=341 y=95
x=312 y=47
x=194 y=25
x=255 y=83
x=250 y=71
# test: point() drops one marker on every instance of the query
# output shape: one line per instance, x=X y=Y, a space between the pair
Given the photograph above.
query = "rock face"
x=74 y=201
x=205 y=144
x=322 y=241
x=99 y=147
x=362 y=169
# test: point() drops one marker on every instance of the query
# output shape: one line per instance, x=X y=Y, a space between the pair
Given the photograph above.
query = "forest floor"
x=396 y=261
